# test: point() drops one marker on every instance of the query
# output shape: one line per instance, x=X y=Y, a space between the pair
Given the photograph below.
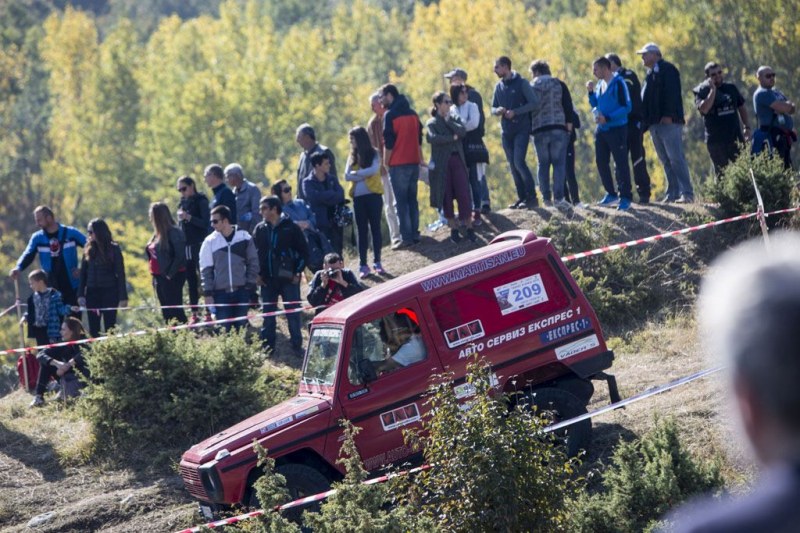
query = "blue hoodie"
x=614 y=103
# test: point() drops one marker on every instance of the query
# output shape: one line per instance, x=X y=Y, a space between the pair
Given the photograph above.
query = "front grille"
x=191 y=480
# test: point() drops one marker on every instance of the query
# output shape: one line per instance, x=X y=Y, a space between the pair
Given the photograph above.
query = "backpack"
x=32 y=365
x=318 y=246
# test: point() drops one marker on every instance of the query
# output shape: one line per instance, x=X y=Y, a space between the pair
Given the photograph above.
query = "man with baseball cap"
x=480 y=194
x=663 y=116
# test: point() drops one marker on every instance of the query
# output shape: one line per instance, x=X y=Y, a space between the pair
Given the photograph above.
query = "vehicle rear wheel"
x=559 y=404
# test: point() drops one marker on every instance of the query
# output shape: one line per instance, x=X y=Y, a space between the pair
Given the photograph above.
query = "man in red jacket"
x=402 y=156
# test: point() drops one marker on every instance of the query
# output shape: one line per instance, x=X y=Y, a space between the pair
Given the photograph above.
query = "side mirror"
x=366 y=371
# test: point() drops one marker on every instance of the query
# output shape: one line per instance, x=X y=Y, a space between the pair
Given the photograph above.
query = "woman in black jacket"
x=166 y=253
x=194 y=219
x=61 y=362
x=102 y=283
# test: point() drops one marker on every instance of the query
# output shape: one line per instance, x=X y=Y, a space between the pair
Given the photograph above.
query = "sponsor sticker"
x=574 y=348
x=275 y=425
x=464 y=333
x=310 y=410
x=464 y=390
x=356 y=394
x=402 y=416
x=520 y=294
x=565 y=330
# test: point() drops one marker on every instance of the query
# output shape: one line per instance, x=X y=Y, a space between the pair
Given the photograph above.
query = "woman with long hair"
x=61 y=361
x=102 y=284
x=166 y=253
x=193 y=218
x=363 y=173
x=448 y=173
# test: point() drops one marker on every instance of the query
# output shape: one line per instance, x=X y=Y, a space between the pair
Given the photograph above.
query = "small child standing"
x=46 y=310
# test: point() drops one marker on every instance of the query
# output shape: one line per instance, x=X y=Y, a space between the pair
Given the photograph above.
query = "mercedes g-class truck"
x=370 y=359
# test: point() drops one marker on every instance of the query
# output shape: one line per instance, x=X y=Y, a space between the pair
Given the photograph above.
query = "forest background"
x=104 y=103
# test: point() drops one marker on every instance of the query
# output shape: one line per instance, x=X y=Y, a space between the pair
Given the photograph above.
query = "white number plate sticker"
x=520 y=294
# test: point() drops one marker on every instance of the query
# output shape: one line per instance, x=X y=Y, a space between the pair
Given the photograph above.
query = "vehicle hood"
x=274 y=420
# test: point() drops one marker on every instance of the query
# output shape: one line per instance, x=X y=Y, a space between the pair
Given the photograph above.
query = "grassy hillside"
x=43 y=451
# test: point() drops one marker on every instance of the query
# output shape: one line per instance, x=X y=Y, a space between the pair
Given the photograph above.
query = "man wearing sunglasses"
x=722 y=107
x=773 y=112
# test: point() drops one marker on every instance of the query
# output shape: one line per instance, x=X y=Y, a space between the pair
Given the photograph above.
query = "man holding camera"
x=333 y=283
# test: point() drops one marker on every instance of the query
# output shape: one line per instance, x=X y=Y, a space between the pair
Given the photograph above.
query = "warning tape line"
x=552 y=427
x=158 y=330
x=296 y=503
x=184 y=306
x=654 y=238
x=6 y=311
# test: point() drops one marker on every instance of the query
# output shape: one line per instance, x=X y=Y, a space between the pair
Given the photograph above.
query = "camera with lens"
x=331 y=272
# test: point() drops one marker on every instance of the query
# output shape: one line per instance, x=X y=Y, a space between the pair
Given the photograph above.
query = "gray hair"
x=749 y=310
x=374 y=97
x=234 y=169
x=306 y=129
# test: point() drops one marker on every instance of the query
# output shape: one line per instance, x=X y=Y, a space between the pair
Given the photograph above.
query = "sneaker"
x=516 y=205
x=37 y=401
x=531 y=202
x=436 y=225
x=562 y=205
x=485 y=209
x=455 y=236
x=683 y=199
x=378 y=269
x=581 y=205
x=194 y=319
x=476 y=218
x=364 y=271
x=471 y=235
x=624 y=204
x=668 y=199
x=609 y=200
x=401 y=245
x=548 y=203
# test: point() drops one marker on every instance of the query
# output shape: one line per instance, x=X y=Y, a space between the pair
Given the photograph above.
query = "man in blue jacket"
x=513 y=101
x=611 y=104
x=57 y=247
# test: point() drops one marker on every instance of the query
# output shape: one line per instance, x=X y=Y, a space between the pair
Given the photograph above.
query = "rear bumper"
x=592 y=365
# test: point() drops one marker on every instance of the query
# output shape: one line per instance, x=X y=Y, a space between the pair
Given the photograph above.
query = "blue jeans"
x=404 y=180
x=367 y=208
x=483 y=184
x=613 y=142
x=289 y=292
x=516 y=149
x=239 y=296
x=551 y=150
x=669 y=147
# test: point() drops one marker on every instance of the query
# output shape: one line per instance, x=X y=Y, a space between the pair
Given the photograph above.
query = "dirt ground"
x=41 y=450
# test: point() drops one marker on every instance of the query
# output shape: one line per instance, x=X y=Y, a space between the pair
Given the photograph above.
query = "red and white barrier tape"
x=166 y=328
x=552 y=427
x=184 y=306
x=6 y=311
x=654 y=238
x=296 y=503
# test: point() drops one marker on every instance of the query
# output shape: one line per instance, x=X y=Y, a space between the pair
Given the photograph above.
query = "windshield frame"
x=311 y=381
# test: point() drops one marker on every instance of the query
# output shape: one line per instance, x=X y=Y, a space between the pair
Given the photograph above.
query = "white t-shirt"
x=411 y=352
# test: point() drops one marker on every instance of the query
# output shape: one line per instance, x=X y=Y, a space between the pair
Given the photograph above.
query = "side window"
x=385 y=345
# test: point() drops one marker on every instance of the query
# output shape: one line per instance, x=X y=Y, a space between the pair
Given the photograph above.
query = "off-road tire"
x=563 y=405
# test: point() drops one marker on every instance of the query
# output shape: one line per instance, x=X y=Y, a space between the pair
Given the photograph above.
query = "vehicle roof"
x=408 y=285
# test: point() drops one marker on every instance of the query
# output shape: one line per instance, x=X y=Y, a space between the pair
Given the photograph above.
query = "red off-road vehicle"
x=370 y=358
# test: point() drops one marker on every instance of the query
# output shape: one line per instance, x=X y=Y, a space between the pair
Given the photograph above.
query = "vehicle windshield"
x=323 y=349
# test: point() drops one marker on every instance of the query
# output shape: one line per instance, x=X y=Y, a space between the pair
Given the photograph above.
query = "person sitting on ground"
x=61 y=361
x=46 y=310
x=333 y=283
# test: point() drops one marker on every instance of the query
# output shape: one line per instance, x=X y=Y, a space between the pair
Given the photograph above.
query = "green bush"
x=494 y=469
x=154 y=395
x=621 y=286
x=355 y=507
x=734 y=190
x=648 y=477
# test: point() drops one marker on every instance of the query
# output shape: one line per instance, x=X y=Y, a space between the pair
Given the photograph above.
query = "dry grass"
x=42 y=450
